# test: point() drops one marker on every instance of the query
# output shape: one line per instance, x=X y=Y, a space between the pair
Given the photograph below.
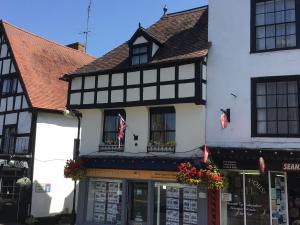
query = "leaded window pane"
x=279 y=5
x=283 y=127
x=260 y=7
x=282 y=114
x=272 y=114
x=262 y=127
x=3 y=51
x=290 y=28
x=270 y=43
x=280 y=30
x=260 y=32
x=293 y=127
x=290 y=4
x=291 y=41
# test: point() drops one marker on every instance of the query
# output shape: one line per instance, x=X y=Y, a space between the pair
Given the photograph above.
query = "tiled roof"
x=41 y=63
x=183 y=36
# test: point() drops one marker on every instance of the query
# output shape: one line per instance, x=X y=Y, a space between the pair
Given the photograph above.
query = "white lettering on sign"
x=291 y=166
x=258 y=186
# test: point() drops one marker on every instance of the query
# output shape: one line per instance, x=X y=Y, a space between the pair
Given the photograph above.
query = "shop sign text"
x=291 y=166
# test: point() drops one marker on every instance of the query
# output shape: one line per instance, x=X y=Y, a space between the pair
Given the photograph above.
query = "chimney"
x=78 y=46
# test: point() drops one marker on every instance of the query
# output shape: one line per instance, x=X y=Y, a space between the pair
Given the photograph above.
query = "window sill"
x=274 y=136
x=111 y=148
x=272 y=50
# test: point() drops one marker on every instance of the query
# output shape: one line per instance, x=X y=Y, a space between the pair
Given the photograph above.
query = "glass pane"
x=111 y=138
x=292 y=87
x=143 y=59
x=280 y=29
x=6 y=86
x=157 y=122
x=111 y=123
x=143 y=49
x=261 y=101
x=271 y=88
x=278 y=198
x=270 y=18
x=135 y=50
x=282 y=113
x=138 y=202
x=281 y=100
x=294 y=127
x=280 y=17
x=272 y=114
x=292 y=100
x=281 y=87
x=135 y=60
x=261 y=127
x=170 y=137
x=3 y=51
x=260 y=32
x=272 y=127
x=260 y=89
x=260 y=44
x=260 y=7
x=270 y=43
x=257 y=199
x=283 y=127
x=290 y=28
x=290 y=16
x=270 y=31
x=293 y=114
x=291 y=41
x=290 y=4
x=279 y=5
x=270 y=6
x=271 y=101
x=280 y=42
x=260 y=19
x=104 y=202
x=232 y=200
x=6 y=65
x=170 y=121
x=158 y=137
x=261 y=115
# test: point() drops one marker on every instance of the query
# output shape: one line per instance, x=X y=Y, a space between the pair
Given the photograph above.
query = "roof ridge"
x=38 y=36
x=186 y=11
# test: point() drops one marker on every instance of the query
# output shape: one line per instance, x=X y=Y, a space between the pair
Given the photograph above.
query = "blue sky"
x=112 y=21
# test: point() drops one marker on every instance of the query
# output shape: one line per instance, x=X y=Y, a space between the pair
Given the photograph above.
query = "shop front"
x=253 y=197
x=140 y=197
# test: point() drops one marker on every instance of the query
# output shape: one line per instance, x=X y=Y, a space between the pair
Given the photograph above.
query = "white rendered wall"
x=54 y=145
x=190 y=129
x=230 y=69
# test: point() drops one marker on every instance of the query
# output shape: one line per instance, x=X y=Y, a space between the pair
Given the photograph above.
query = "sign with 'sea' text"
x=291 y=167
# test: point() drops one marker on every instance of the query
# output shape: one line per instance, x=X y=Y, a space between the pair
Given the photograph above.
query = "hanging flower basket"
x=209 y=176
x=24 y=182
x=74 y=169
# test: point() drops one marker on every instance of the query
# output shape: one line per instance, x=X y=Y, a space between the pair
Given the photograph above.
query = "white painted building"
x=36 y=138
x=157 y=82
x=253 y=70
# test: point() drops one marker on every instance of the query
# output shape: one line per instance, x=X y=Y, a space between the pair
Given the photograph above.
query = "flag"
x=224 y=120
x=122 y=125
x=205 y=154
x=262 y=165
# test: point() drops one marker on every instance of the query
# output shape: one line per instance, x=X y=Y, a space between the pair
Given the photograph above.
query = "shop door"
x=294 y=198
x=138 y=203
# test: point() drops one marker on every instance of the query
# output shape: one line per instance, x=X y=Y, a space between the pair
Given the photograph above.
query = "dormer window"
x=140 y=54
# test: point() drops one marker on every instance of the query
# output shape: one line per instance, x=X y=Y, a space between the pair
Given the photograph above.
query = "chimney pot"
x=77 y=45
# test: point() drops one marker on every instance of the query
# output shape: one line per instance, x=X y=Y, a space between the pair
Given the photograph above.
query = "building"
x=253 y=63
x=35 y=137
x=157 y=82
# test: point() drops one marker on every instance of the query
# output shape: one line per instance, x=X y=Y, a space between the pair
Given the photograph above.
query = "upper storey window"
x=9 y=86
x=140 y=54
x=274 y=24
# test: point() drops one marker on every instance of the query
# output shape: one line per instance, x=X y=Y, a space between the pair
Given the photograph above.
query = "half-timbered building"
x=157 y=82
x=35 y=137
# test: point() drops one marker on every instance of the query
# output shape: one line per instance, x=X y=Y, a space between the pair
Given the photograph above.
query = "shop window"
x=275 y=107
x=104 y=203
x=162 y=125
x=175 y=204
x=111 y=126
x=274 y=24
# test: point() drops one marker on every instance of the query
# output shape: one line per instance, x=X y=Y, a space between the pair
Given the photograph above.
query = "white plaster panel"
x=149 y=93
x=140 y=40
x=117 y=96
x=149 y=76
x=24 y=103
x=167 y=74
x=186 y=71
x=3 y=104
x=11 y=118
x=133 y=77
x=133 y=94
x=47 y=170
x=10 y=101
x=1 y=123
x=20 y=89
x=186 y=90
x=155 y=47
x=103 y=81
x=117 y=79
x=204 y=91
x=89 y=82
x=18 y=102
x=24 y=124
x=167 y=91
x=76 y=83
x=88 y=98
x=75 y=99
x=102 y=97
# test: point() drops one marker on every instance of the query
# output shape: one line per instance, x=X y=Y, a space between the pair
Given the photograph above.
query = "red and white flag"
x=205 y=154
x=262 y=165
x=224 y=120
x=122 y=126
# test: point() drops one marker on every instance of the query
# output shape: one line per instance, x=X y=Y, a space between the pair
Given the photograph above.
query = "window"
x=9 y=139
x=275 y=106
x=273 y=24
x=140 y=54
x=162 y=125
x=111 y=127
x=9 y=86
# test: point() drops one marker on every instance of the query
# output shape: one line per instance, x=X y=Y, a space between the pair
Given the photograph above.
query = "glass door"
x=138 y=203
